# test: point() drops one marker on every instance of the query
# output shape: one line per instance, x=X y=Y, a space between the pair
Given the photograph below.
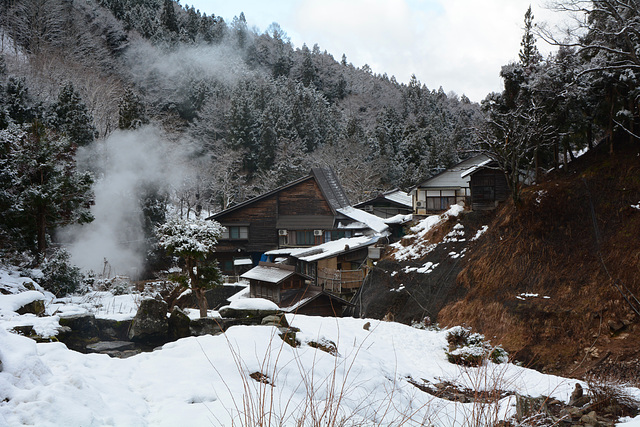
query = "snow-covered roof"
x=242 y=261
x=372 y=221
x=268 y=273
x=395 y=196
x=399 y=196
x=399 y=219
x=334 y=248
x=474 y=168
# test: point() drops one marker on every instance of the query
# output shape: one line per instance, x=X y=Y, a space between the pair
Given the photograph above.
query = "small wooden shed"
x=488 y=187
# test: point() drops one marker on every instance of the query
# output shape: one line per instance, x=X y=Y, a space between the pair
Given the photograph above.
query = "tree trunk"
x=190 y=264
x=41 y=225
x=202 y=301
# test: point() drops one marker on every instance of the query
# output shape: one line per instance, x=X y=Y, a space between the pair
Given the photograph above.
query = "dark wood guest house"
x=302 y=213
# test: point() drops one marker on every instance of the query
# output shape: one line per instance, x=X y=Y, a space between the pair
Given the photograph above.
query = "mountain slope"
x=556 y=280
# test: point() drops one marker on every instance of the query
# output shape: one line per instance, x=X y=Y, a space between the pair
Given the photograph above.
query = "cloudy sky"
x=457 y=44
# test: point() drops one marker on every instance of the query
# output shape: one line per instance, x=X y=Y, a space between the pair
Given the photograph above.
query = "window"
x=235 y=232
x=305 y=238
x=440 y=203
x=330 y=236
x=484 y=188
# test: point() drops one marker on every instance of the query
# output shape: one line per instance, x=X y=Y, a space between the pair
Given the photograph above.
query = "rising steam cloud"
x=125 y=164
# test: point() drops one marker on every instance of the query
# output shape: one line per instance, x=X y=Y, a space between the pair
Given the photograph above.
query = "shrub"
x=470 y=349
x=59 y=276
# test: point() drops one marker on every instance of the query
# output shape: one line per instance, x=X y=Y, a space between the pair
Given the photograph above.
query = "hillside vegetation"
x=556 y=280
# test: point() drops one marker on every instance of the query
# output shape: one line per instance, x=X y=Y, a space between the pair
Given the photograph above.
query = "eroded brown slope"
x=549 y=247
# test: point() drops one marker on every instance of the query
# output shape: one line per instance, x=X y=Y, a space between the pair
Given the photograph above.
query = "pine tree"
x=72 y=117
x=168 y=18
x=193 y=240
x=45 y=190
x=528 y=54
x=131 y=111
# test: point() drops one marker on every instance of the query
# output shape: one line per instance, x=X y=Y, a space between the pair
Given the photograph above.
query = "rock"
x=325 y=345
x=25 y=331
x=528 y=406
x=150 y=324
x=615 y=325
x=107 y=346
x=113 y=330
x=78 y=331
x=576 y=394
x=590 y=419
x=206 y=326
x=289 y=336
x=178 y=324
x=34 y=307
x=237 y=313
x=275 y=320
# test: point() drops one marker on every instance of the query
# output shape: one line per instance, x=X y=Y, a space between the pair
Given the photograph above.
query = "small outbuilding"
x=488 y=186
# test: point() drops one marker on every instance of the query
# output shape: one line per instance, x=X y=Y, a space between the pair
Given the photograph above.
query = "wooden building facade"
x=292 y=291
x=488 y=188
x=301 y=213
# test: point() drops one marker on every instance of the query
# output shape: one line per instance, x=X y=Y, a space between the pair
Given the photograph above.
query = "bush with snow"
x=471 y=349
x=59 y=276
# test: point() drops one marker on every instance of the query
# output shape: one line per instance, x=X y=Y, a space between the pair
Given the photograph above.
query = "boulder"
x=150 y=324
x=206 y=326
x=178 y=324
x=78 y=331
x=578 y=398
x=239 y=313
x=275 y=320
x=34 y=307
x=113 y=330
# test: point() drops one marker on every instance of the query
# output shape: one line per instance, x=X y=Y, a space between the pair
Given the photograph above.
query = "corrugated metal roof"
x=399 y=197
x=373 y=222
x=334 y=248
x=331 y=188
x=269 y=274
x=452 y=177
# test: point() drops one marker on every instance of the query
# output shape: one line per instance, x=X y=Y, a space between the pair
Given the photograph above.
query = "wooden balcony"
x=339 y=281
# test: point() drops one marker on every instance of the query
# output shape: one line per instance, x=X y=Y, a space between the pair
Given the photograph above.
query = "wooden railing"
x=338 y=280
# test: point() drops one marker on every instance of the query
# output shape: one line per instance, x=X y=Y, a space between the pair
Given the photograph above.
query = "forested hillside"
x=239 y=112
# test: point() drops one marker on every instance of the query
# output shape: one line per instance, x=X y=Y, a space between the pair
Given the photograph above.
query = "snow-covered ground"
x=245 y=376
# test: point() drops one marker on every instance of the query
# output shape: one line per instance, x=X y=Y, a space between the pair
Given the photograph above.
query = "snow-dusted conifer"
x=193 y=239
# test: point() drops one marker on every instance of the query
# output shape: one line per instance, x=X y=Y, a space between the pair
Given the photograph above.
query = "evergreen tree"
x=528 y=54
x=72 y=117
x=45 y=190
x=193 y=240
x=131 y=111
x=168 y=18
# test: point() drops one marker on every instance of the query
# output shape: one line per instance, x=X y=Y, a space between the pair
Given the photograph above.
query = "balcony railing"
x=338 y=281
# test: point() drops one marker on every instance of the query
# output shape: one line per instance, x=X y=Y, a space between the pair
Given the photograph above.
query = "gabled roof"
x=274 y=274
x=324 y=177
x=453 y=177
x=397 y=197
x=329 y=249
x=475 y=168
x=331 y=188
x=293 y=300
x=373 y=222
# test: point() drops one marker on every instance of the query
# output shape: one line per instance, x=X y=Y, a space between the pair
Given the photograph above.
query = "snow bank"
x=252 y=304
x=16 y=301
x=419 y=248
